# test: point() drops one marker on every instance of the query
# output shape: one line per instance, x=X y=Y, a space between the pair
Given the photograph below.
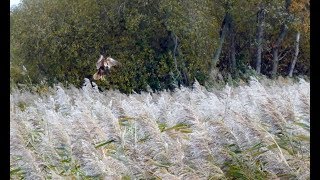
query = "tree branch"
x=285 y=53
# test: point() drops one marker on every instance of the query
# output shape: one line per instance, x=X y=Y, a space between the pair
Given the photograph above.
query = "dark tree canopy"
x=162 y=44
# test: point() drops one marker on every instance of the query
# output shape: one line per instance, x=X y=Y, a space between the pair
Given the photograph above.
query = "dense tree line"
x=162 y=44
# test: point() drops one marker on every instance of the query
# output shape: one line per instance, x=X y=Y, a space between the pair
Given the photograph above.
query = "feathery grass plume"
x=256 y=131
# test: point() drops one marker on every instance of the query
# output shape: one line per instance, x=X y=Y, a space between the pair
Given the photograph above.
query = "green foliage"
x=162 y=126
x=16 y=172
x=162 y=44
x=180 y=127
x=292 y=142
x=245 y=164
x=22 y=105
x=68 y=166
x=125 y=177
x=103 y=143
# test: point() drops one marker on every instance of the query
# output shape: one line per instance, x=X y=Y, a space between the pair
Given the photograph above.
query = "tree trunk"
x=232 y=51
x=175 y=52
x=218 y=51
x=275 y=50
x=260 y=31
x=223 y=32
x=275 y=62
x=296 y=53
x=288 y=3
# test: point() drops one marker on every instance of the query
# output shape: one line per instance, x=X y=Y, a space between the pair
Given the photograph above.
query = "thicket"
x=162 y=44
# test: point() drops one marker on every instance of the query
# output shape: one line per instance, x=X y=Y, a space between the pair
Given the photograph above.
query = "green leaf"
x=302 y=137
x=104 y=143
x=303 y=125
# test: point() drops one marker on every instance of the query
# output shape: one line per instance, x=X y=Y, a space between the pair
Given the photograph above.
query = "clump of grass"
x=162 y=126
x=66 y=166
x=145 y=138
x=180 y=127
x=42 y=89
x=22 y=105
x=16 y=172
x=125 y=120
x=296 y=146
x=126 y=177
x=34 y=136
x=245 y=164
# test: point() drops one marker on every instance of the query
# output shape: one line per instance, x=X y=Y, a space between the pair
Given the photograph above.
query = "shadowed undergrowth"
x=254 y=131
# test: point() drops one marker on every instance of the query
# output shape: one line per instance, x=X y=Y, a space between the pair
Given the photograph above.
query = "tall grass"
x=254 y=131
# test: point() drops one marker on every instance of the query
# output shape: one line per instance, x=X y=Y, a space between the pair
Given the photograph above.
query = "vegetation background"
x=162 y=44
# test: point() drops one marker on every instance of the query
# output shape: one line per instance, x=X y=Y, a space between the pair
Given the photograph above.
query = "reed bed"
x=258 y=130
